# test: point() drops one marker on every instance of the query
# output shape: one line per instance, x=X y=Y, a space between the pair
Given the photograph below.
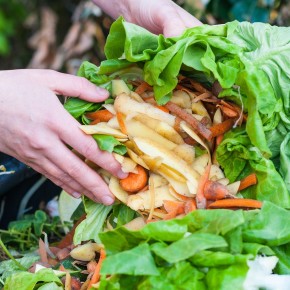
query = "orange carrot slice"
x=200 y=198
x=236 y=203
x=135 y=182
x=171 y=205
x=219 y=139
x=248 y=181
x=229 y=112
x=189 y=206
x=214 y=190
x=173 y=208
x=96 y=276
x=222 y=128
x=102 y=115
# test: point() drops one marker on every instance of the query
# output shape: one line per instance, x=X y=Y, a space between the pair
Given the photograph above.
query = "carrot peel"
x=248 y=181
x=200 y=198
x=214 y=190
x=96 y=276
x=121 y=122
x=135 y=182
x=242 y=203
x=101 y=115
x=188 y=118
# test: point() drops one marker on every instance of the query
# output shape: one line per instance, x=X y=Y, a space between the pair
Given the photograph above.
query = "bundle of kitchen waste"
x=201 y=125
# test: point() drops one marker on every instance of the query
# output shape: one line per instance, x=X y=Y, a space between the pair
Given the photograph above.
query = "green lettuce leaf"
x=181 y=276
x=9 y=267
x=141 y=262
x=90 y=228
x=269 y=226
x=77 y=107
x=207 y=258
x=285 y=160
x=258 y=232
x=29 y=281
x=189 y=246
x=110 y=144
x=223 y=278
x=238 y=158
x=267 y=48
x=121 y=215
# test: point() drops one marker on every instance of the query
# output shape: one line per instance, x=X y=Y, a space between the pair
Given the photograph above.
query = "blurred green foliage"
x=242 y=10
x=12 y=14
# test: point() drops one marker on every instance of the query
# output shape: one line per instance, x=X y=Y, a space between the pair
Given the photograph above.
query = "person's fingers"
x=64 y=180
x=173 y=28
x=188 y=19
x=87 y=146
x=69 y=85
x=177 y=20
x=74 y=167
x=58 y=177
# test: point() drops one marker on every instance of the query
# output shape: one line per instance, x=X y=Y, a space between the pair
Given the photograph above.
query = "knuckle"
x=27 y=154
x=75 y=171
x=37 y=144
x=89 y=150
x=65 y=178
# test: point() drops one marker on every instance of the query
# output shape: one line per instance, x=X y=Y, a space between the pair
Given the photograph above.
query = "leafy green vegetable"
x=9 y=267
x=239 y=158
x=214 y=259
x=121 y=215
x=77 y=107
x=28 y=281
x=195 y=249
x=50 y=286
x=268 y=228
x=285 y=161
x=142 y=262
x=250 y=63
x=90 y=228
x=189 y=246
x=223 y=278
x=180 y=276
x=110 y=144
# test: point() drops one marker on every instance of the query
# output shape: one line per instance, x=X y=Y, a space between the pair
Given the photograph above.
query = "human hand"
x=162 y=16
x=36 y=129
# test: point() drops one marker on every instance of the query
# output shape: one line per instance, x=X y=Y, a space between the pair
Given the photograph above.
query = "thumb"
x=70 y=85
x=173 y=28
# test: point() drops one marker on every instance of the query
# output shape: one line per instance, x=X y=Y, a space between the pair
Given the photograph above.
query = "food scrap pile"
x=201 y=124
x=170 y=149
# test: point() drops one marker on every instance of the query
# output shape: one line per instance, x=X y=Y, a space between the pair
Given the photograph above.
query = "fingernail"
x=107 y=200
x=122 y=174
x=76 y=194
